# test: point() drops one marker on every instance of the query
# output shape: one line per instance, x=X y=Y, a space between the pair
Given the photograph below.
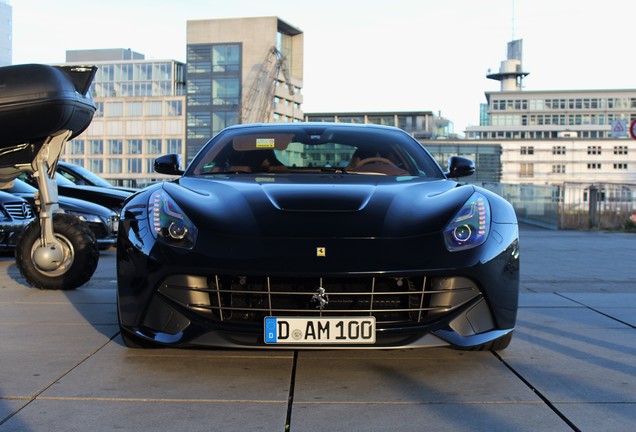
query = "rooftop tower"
x=511 y=73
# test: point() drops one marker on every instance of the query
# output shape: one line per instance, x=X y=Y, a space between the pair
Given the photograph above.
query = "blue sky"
x=370 y=55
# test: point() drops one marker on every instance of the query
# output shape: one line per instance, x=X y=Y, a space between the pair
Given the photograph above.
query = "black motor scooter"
x=41 y=108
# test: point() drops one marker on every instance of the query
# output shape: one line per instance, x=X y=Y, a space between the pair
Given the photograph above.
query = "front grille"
x=98 y=229
x=390 y=300
x=19 y=210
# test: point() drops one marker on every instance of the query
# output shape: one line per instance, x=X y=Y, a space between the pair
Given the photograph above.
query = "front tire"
x=496 y=345
x=80 y=254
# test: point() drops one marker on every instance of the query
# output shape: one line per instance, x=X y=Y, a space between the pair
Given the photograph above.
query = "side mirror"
x=169 y=164
x=460 y=167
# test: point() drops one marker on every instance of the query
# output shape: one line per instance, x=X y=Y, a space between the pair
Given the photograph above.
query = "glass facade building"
x=132 y=79
x=213 y=96
x=140 y=115
x=229 y=62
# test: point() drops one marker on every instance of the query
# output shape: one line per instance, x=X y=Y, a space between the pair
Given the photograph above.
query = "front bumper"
x=469 y=327
x=179 y=300
x=10 y=232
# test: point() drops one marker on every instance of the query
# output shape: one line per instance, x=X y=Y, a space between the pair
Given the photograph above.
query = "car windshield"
x=306 y=149
x=61 y=180
x=83 y=172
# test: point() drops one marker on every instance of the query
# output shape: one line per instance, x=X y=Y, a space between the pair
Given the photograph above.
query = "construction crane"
x=258 y=102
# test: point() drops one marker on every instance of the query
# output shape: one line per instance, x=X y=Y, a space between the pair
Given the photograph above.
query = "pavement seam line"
x=156 y=400
x=545 y=400
x=413 y=403
x=36 y=396
x=597 y=311
x=290 y=398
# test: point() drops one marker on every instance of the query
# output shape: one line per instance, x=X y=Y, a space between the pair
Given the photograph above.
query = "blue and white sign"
x=619 y=128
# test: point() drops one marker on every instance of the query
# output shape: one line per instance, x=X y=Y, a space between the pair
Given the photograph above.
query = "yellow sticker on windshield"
x=265 y=143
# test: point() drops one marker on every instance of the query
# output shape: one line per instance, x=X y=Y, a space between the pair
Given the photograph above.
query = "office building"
x=243 y=70
x=556 y=114
x=554 y=137
x=238 y=71
x=6 y=33
x=140 y=115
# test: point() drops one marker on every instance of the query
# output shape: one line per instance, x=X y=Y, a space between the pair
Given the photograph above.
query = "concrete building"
x=554 y=137
x=241 y=71
x=556 y=114
x=140 y=115
x=549 y=162
x=6 y=33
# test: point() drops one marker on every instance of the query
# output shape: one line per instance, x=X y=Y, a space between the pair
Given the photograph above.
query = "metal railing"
x=571 y=205
x=596 y=206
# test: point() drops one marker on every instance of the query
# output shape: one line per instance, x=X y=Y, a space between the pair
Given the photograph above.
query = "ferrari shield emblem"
x=321 y=251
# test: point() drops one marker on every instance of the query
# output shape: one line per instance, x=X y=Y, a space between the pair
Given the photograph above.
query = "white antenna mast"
x=513 y=20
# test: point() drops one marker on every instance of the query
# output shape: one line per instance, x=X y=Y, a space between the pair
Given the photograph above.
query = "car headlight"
x=470 y=226
x=85 y=217
x=169 y=224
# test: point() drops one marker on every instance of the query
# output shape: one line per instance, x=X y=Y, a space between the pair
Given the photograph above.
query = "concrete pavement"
x=571 y=365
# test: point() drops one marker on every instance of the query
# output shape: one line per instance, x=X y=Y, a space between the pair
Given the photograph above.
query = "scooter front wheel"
x=65 y=265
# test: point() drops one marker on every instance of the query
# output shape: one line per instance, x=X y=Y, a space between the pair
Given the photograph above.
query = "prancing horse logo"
x=321 y=297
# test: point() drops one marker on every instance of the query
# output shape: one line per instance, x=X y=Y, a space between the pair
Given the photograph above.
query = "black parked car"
x=317 y=236
x=83 y=177
x=15 y=214
x=102 y=221
x=107 y=197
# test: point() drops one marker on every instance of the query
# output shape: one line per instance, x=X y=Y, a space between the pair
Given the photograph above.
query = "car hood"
x=97 y=191
x=78 y=205
x=318 y=206
x=74 y=205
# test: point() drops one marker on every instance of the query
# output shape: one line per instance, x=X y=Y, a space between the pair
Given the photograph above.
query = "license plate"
x=320 y=330
x=114 y=225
